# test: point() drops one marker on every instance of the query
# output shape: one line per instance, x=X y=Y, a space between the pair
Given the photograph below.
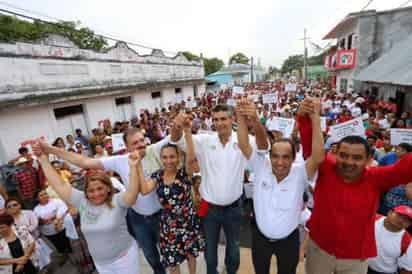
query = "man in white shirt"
x=222 y=167
x=278 y=192
x=143 y=218
x=393 y=243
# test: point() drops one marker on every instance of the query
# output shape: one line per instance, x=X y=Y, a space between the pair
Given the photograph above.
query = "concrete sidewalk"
x=246 y=266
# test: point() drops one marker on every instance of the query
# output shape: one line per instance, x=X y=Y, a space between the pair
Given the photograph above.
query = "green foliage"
x=212 y=65
x=190 y=56
x=317 y=59
x=239 y=58
x=292 y=63
x=14 y=29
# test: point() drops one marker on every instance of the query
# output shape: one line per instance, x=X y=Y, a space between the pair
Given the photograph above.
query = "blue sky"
x=267 y=29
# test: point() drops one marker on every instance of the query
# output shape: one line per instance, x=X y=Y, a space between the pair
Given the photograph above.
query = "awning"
x=394 y=67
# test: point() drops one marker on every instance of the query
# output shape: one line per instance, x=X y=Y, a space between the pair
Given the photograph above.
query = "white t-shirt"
x=54 y=208
x=222 y=167
x=278 y=205
x=145 y=204
x=389 y=250
x=117 y=184
x=104 y=228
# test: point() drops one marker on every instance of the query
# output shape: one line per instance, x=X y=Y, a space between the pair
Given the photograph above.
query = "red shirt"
x=27 y=178
x=342 y=221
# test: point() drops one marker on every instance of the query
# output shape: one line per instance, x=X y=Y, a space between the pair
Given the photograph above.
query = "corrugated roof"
x=394 y=67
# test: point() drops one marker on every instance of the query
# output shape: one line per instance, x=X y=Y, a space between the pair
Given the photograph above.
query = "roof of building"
x=235 y=68
x=394 y=67
x=351 y=19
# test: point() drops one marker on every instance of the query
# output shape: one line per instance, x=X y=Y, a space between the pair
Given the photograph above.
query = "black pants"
x=286 y=251
x=61 y=242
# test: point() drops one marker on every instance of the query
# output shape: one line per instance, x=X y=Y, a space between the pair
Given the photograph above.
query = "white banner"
x=191 y=104
x=179 y=98
x=283 y=125
x=352 y=127
x=290 y=87
x=117 y=142
x=323 y=125
x=401 y=135
x=270 y=98
x=231 y=102
x=238 y=90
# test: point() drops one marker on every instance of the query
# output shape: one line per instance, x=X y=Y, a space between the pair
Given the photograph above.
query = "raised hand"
x=316 y=107
x=306 y=107
x=187 y=123
x=134 y=158
x=179 y=120
x=247 y=109
x=37 y=149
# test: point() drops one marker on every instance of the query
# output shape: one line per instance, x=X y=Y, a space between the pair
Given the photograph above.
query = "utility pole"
x=251 y=70
x=305 y=57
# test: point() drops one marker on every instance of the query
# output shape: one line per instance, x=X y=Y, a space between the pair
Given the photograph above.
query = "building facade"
x=362 y=38
x=51 y=88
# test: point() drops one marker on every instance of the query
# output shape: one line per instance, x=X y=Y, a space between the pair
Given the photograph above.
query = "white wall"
x=22 y=125
x=99 y=109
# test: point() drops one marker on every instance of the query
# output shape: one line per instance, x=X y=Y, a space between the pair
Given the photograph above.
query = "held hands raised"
x=134 y=158
x=247 y=109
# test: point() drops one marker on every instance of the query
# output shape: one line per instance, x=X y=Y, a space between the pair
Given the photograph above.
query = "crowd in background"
x=35 y=212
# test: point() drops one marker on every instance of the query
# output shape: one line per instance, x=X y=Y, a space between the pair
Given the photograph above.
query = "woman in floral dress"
x=180 y=234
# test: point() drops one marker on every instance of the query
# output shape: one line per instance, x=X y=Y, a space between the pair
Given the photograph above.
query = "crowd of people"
x=342 y=206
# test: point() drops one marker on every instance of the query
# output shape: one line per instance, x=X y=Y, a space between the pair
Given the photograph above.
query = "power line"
x=367 y=5
x=62 y=26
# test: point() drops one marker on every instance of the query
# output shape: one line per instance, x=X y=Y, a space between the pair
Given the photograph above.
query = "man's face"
x=136 y=142
x=371 y=142
x=398 y=220
x=351 y=160
x=400 y=152
x=222 y=122
x=281 y=157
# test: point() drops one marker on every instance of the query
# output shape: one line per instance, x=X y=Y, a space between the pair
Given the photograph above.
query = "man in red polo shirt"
x=346 y=195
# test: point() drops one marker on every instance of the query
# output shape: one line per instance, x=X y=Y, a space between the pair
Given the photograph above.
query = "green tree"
x=239 y=58
x=13 y=29
x=317 y=59
x=212 y=65
x=293 y=62
x=190 y=56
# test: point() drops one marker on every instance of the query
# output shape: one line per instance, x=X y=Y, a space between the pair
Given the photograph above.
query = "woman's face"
x=99 y=149
x=13 y=208
x=60 y=143
x=170 y=158
x=4 y=230
x=97 y=192
x=43 y=197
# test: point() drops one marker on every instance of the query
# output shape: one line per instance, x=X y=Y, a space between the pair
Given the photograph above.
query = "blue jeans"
x=145 y=229
x=229 y=219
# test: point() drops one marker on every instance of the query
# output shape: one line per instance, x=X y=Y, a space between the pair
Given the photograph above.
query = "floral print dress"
x=180 y=233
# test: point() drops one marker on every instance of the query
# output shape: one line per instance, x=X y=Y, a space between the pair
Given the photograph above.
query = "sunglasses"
x=11 y=205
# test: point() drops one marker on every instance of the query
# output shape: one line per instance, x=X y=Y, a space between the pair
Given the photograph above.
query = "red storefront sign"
x=341 y=59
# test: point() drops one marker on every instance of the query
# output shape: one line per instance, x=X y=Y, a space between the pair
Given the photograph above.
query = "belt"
x=222 y=207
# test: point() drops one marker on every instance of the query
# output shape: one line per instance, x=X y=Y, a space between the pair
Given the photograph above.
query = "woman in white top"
x=103 y=215
x=51 y=213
